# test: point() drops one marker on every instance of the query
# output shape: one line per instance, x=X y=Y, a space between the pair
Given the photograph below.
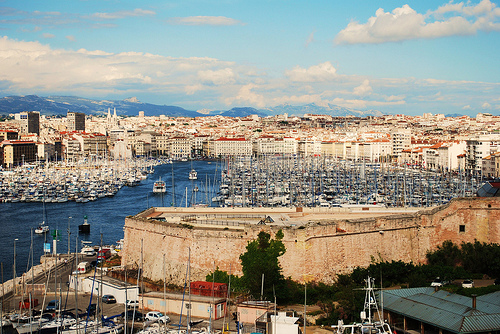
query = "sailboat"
x=367 y=324
x=42 y=228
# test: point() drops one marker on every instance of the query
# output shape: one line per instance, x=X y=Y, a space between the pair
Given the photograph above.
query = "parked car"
x=438 y=282
x=468 y=283
x=157 y=316
x=132 y=303
x=52 y=306
x=132 y=314
x=108 y=299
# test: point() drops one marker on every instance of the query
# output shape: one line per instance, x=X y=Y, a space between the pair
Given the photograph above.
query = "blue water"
x=105 y=215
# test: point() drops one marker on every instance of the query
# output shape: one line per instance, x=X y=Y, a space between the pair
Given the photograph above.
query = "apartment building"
x=180 y=147
x=75 y=121
x=17 y=152
x=268 y=145
x=231 y=146
x=478 y=148
x=29 y=121
x=401 y=140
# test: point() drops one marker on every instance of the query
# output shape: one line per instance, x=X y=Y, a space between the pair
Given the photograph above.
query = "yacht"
x=193 y=175
x=159 y=187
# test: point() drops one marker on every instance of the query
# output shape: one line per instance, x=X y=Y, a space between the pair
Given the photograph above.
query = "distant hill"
x=313 y=108
x=60 y=105
x=453 y=115
x=242 y=112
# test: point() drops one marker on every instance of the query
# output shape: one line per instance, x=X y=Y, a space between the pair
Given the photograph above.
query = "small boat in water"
x=193 y=175
x=159 y=187
x=42 y=228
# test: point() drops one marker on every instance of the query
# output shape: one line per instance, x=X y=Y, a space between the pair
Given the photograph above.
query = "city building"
x=75 y=121
x=29 y=121
x=17 y=152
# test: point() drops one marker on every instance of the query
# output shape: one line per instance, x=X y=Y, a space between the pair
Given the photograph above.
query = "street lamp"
x=14 y=267
x=69 y=233
x=22 y=155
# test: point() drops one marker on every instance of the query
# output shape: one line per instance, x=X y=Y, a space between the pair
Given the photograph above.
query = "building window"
x=461 y=228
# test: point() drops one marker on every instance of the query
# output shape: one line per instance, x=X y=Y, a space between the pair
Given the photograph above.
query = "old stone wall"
x=315 y=251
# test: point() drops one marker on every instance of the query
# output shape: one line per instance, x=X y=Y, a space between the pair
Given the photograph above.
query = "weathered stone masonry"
x=317 y=250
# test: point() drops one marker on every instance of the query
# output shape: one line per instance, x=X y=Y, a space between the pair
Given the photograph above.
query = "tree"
x=261 y=258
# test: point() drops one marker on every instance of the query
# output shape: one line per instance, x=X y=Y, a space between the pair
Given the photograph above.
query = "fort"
x=320 y=242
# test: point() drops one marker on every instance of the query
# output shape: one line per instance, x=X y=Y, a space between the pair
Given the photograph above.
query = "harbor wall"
x=318 y=250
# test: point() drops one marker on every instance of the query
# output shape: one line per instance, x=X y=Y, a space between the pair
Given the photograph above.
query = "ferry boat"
x=159 y=187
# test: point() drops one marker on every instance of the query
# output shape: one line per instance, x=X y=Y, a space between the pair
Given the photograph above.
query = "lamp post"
x=14 y=268
x=22 y=155
x=69 y=233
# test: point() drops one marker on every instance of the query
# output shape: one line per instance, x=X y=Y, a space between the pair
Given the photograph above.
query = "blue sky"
x=408 y=57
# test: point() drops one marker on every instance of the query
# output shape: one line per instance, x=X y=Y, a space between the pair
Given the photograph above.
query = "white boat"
x=368 y=324
x=159 y=187
x=42 y=228
x=193 y=175
x=87 y=249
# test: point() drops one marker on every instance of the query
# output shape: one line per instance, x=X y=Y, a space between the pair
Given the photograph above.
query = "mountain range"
x=60 y=105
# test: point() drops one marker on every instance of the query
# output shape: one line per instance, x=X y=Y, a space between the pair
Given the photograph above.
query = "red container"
x=203 y=288
x=25 y=304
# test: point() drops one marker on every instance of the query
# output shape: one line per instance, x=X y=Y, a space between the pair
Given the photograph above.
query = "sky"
x=397 y=57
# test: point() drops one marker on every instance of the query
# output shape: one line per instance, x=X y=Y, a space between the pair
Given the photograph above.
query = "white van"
x=83 y=267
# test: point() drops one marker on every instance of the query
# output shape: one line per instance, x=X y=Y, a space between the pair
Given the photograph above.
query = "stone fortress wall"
x=318 y=245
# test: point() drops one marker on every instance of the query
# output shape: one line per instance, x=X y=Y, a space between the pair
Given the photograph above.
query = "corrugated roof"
x=446 y=310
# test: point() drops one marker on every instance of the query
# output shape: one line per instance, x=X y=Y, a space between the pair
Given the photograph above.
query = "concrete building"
x=269 y=145
x=180 y=147
x=478 y=148
x=401 y=140
x=17 y=152
x=107 y=286
x=8 y=135
x=92 y=143
x=75 y=121
x=29 y=121
x=232 y=146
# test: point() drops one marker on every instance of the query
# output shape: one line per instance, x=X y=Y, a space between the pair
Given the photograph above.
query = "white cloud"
x=123 y=14
x=48 y=35
x=363 y=89
x=486 y=105
x=316 y=73
x=247 y=96
x=404 y=23
x=218 y=77
x=36 y=68
x=467 y=107
x=71 y=38
x=204 y=20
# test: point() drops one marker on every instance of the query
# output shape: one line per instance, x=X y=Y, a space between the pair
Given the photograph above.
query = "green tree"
x=261 y=258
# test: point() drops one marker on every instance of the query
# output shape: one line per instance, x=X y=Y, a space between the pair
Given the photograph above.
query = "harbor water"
x=106 y=215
